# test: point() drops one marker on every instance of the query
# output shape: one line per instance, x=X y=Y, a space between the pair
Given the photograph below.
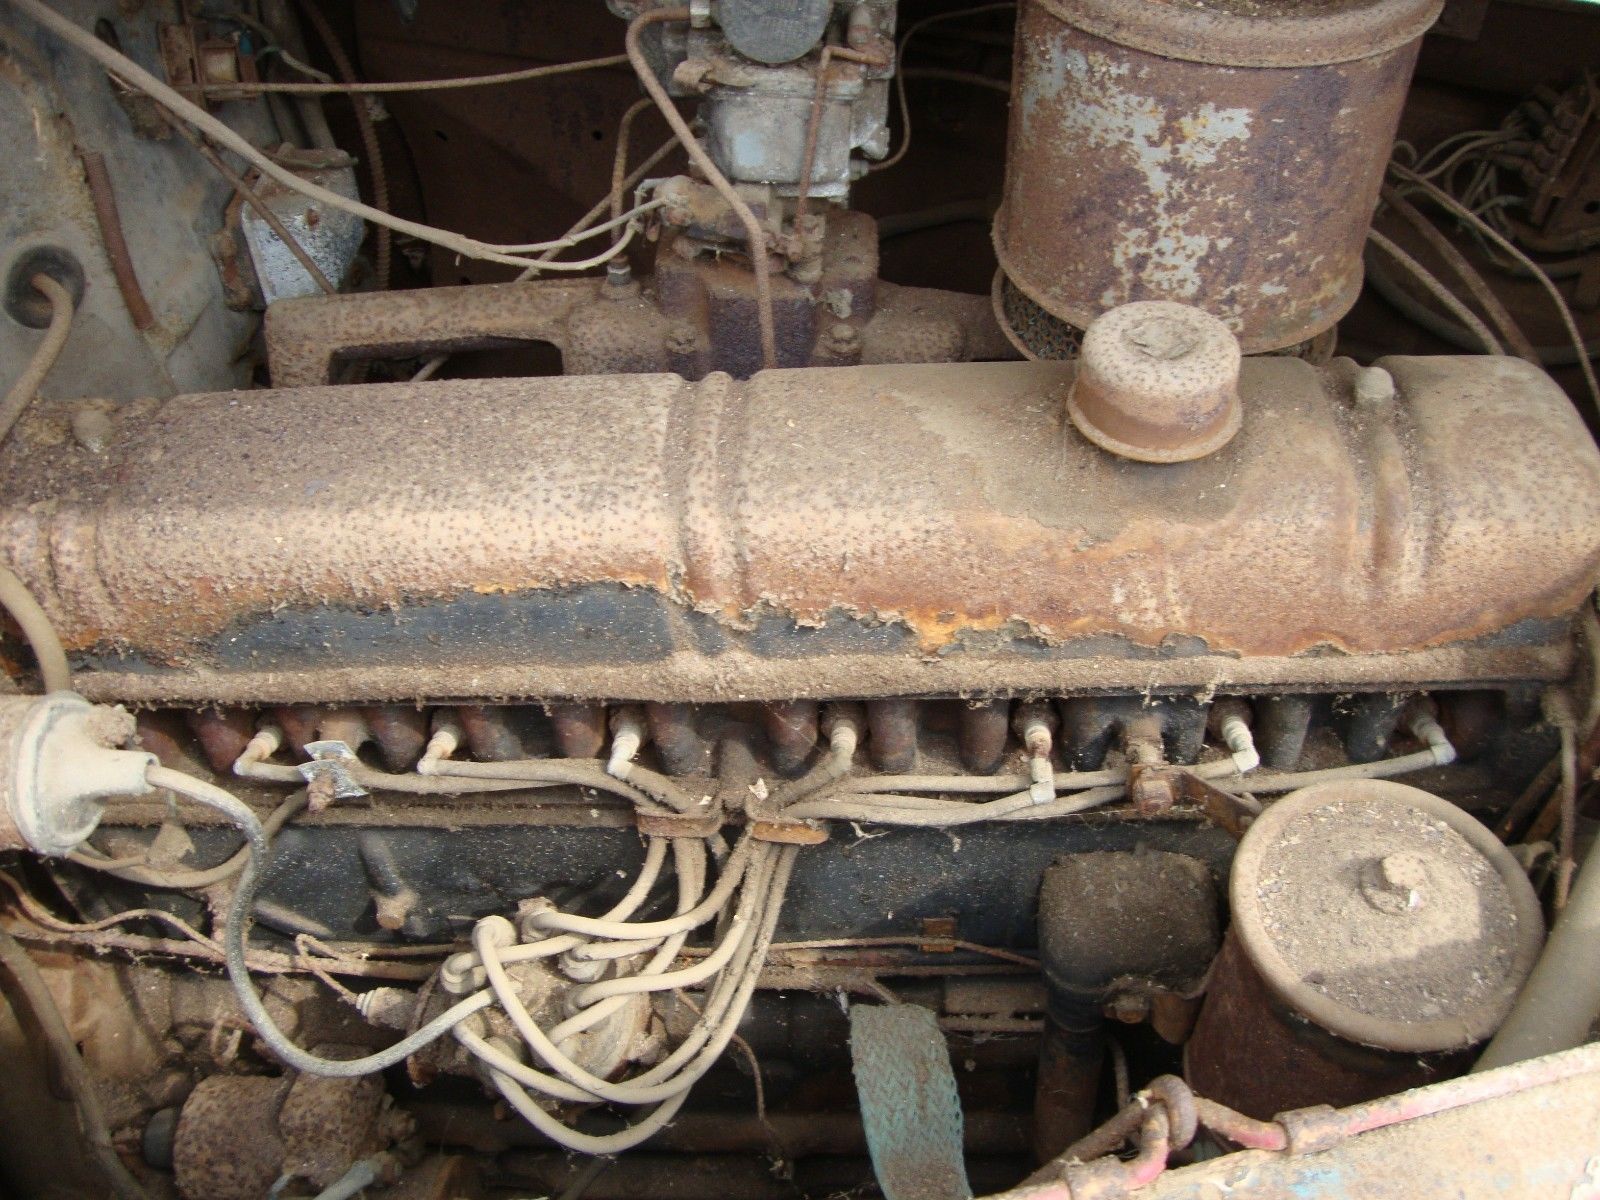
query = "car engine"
x=799 y=598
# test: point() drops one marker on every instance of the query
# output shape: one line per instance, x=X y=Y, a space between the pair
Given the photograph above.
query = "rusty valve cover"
x=848 y=531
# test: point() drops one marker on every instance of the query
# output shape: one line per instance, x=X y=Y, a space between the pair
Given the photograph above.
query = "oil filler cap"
x=1157 y=382
x=1385 y=915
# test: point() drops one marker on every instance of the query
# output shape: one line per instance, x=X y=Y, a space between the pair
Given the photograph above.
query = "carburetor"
x=780 y=109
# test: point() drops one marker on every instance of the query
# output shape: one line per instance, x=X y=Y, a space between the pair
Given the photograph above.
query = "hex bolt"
x=1396 y=883
x=843 y=340
x=392 y=910
x=1128 y=1008
x=1151 y=791
x=1152 y=794
x=681 y=338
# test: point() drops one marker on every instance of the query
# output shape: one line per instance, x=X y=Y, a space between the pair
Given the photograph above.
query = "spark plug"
x=1036 y=723
x=446 y=740
x=1425 y=727
x=1240 y=743
x=628 y=735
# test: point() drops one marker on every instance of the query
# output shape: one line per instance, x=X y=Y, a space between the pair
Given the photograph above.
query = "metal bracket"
x=788 y=833
x=328 y=772
x=199 y=65
x=662 y=824
x=1156 y=790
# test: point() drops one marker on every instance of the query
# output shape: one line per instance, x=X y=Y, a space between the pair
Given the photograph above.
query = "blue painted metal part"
x=908 y=1102
x=1540 y=1142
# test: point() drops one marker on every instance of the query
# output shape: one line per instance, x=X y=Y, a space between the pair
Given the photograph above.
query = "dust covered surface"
x=1447 y=948
x=873 y=530
x=1274 y=8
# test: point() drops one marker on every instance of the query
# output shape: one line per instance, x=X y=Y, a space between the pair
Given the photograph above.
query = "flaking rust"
x=797 y=534
x=1211 y=157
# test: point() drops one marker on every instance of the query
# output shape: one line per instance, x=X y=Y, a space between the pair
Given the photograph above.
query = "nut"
x=843 y=341
x=681 y=338
x=1397 y=883
x=1374 y=387
x=1152 y=793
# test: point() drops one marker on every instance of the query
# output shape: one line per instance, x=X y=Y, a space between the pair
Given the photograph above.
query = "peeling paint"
x=1134 y=176
x=624 y=533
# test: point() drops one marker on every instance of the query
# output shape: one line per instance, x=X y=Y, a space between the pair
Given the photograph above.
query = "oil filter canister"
x=1378 y=934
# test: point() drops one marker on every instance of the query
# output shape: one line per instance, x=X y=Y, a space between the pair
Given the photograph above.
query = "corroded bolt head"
x=1152 y=794
x=392 y=910
x=1128 y=1008
x=843 y=338
x=92 y=428
x=1374 y=386
x=681 y=338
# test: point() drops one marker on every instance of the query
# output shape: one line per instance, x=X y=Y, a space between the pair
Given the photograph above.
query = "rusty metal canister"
x=1225 y=154
x=1111 y=922
x=1378 y=934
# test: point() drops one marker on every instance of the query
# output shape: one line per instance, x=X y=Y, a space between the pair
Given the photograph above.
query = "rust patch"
x=1136 y=176
x=695 y=317
x=327 y=1124
x=228 y=1146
